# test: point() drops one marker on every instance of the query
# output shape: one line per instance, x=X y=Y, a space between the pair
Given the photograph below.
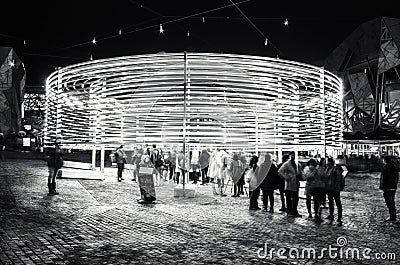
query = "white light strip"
x=238 y=101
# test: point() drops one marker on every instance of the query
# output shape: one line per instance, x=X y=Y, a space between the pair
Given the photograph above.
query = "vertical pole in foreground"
x=93 y=157
x=102 y=154
x=322 y=75
x=184 y=120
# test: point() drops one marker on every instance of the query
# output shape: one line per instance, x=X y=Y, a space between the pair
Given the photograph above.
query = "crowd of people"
x=323 y=179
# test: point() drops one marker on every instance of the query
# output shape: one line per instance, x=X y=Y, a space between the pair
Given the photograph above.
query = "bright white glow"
x=91 y=57
x=11 y=63
x=266 y=42
x=120 y=32
x=236 y=100
x=94 y=40
x=161 y=29
x=203 y=19
x=24 y=42
x=286 y=23
x=188 y=33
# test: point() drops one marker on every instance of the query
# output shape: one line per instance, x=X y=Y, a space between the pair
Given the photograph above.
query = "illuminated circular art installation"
x=207 y=100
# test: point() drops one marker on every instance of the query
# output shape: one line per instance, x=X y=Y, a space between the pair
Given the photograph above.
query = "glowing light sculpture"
x=236 y=101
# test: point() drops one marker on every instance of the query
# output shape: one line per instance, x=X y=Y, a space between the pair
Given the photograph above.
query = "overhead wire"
x=259 y=31
x=155 y=25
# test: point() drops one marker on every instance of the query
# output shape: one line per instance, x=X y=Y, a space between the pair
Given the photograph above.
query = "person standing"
x=136 y=158
x=388 y=184
x=334 y=185
x=315 y=187
x=194 y=164
x=120 y=158
x=281 y=184
x=237 y=169
x=254 y=184
x=221 y=162
x=204 y=161
x=181 y=171
x=54 y=163
x=270 y=173
x=291 y=173
x=240 y=183
x=172 y=165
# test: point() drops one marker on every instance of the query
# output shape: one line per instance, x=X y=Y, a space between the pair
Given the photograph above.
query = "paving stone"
x=99 y=222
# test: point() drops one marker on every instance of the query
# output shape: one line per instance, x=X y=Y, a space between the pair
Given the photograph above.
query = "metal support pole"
x=102 y=153
x=280 y=155
x=257 y=136
x=184 y=120
x=94 y=158
x=296 y=159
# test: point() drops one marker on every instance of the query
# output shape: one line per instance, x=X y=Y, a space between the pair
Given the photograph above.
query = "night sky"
x=59 y=33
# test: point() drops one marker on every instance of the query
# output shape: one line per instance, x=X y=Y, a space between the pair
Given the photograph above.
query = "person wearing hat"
x=120 y=158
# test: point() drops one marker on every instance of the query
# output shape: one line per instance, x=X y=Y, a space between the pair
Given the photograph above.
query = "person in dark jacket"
x=315 y=186
x=281 y=185
x=334 y=185
x=54 y=163
x=204 y=161
x=388 y=183
x=120 y=157
x=269 y=183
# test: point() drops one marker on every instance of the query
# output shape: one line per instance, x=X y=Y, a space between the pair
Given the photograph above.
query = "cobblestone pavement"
x=99 y=222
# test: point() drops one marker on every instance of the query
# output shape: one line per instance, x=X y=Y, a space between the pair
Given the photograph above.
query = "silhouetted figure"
x=388 y=184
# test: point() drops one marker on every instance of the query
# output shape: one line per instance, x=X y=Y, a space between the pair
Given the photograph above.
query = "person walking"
x=268 y=185
x=120 y=158
x=281 y=184
x=254 y=184
x=334 y=185
x=156 y=160
x=388 y=184
x=54 y=163
x=291 y=173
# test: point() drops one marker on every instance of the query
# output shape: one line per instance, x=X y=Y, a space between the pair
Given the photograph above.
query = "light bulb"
x=286 y=23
